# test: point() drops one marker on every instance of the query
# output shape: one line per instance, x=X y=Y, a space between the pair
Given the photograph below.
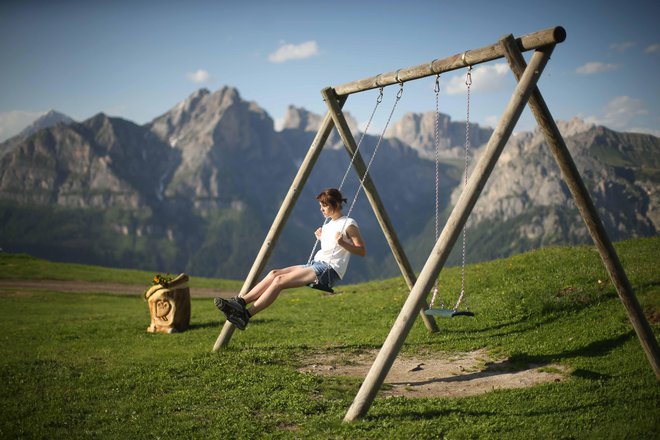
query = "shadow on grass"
x=220 y=322
x=520 y=325
x=412 y=415
x=590 y=375
x=211 y=324
x=492 y=369
x=595 y=349
x=569 y=408
x=648 y=285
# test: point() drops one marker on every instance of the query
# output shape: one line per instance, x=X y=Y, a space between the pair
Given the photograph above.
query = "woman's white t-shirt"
x=333 y=254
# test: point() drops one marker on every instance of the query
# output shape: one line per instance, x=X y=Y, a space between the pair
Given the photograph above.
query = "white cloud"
x=622 y=47
x=620 y=113
x=13 y=122
x=625 y=104
x=487 y=78
x=595 y=67
x=288 y=52
x=653 y=48
x=644 y=130
x=198 y=77
x=491 y=120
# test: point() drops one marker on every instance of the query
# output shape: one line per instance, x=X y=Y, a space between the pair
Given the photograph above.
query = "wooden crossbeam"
x=547 y=37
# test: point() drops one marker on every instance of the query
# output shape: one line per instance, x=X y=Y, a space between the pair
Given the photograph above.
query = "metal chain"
x=343 y=180
x=373 y=155
x=468 y=83
x=436 y=89
x=366 y=129
x=371 y=160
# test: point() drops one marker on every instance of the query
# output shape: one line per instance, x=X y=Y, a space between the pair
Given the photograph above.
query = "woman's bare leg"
x=297 y=277
x=261 y=287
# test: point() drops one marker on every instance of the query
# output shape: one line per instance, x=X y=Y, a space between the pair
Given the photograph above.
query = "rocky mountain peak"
x=212 y=130
x=48 y=119
x=98 y=120
x=199 y=93
x=190 y=103
x=527 y=184
x=197 y=116
x=574 y=126
x=418 y=131
x=228 y=95
x=108 y=132
x=297 y=118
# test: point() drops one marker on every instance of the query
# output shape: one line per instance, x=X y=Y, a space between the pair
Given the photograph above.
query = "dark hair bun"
x=331 y=197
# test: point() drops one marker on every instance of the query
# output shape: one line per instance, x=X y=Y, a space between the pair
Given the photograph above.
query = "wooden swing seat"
x=448 y=313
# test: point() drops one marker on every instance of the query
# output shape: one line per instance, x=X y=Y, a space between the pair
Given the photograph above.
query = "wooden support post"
x=281 y=218
x=448 y=237
x=588 y=211
x=374 y=198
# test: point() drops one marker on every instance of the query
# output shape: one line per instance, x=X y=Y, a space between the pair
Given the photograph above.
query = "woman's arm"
x=356 y=244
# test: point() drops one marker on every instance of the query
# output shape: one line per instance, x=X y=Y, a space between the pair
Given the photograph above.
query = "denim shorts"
x=325 y=274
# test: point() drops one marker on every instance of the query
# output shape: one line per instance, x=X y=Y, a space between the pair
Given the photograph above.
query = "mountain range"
x=197 y=188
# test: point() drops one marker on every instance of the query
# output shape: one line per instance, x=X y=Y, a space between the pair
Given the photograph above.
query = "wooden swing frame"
x=526 y=93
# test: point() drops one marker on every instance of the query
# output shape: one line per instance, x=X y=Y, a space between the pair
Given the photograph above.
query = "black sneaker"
x=234 y=310
x=226 y=305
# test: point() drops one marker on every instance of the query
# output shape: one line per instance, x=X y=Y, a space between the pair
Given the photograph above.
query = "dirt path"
x=99 y=287
x=439 y=374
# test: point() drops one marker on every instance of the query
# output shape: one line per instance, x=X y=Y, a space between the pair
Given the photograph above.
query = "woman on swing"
x=339 y=236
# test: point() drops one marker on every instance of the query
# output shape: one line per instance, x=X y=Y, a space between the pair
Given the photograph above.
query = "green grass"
x=82 y=365
x=26 y=267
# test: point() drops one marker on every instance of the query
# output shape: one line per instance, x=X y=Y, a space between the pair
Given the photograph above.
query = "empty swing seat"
x=448 y=313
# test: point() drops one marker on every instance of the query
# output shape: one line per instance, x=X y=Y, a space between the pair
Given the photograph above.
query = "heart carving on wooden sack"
x=163 y=307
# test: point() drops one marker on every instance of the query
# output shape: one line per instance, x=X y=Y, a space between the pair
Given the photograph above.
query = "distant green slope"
x=26 y=267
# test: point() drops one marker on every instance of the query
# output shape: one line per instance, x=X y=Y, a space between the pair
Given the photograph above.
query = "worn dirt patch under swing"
x=438 y=374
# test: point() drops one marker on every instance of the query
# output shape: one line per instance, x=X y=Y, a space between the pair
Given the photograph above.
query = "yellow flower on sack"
x=162 y=280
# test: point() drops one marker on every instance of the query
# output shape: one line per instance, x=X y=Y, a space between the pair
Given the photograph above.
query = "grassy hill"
x=81 y=365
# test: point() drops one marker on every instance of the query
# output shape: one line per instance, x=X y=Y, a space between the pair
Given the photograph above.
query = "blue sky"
x=137 y=59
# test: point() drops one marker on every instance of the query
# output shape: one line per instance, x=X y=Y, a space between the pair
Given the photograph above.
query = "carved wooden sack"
x=169 y=306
